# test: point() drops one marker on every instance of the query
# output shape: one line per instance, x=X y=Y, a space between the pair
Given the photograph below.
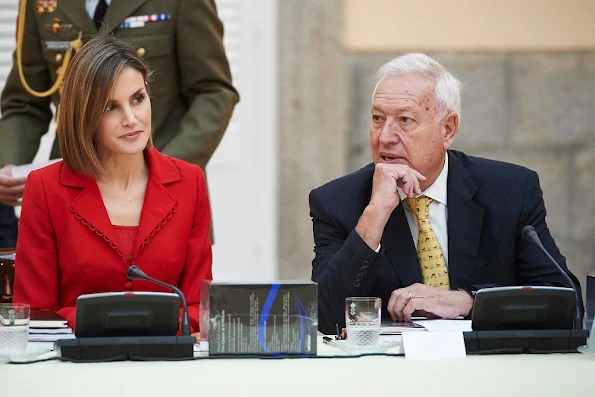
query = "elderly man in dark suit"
x=191 y=88
x=424 y=227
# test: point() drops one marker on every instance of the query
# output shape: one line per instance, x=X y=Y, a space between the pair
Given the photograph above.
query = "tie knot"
x=420 y=207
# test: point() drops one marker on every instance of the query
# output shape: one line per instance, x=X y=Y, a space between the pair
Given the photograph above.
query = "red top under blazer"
x=67 y=245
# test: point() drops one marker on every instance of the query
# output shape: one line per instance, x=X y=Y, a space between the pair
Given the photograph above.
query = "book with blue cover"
x=259 y=318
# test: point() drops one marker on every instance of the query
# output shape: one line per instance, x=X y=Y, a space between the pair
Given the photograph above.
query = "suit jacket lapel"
x=400 y=248
x=465 y=219
x=88 y=206
x=117 y=12
x=77 y=14
x=159 y=205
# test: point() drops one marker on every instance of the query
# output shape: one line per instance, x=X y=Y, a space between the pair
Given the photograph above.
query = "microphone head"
x=133 y=271
x=528 y=232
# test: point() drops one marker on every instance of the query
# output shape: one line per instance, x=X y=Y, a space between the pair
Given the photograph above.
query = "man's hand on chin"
x=428 y=301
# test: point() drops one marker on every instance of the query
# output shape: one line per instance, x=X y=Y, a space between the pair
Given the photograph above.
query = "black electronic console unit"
x=129 y=325
x=524 y=319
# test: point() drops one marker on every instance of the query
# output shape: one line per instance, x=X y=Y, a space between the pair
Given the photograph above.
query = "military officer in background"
x=191 y=89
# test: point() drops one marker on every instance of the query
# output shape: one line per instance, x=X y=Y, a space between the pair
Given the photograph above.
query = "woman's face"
x=125 y=127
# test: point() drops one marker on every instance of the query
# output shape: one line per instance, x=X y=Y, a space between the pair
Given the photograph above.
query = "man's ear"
x=450 y=127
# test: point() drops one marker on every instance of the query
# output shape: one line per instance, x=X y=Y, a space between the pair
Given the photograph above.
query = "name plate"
x=438 y=345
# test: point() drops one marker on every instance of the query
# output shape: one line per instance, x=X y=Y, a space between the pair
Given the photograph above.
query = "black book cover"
x=46 y=319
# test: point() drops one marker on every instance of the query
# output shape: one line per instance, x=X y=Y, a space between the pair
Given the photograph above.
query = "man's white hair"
x=447 y=89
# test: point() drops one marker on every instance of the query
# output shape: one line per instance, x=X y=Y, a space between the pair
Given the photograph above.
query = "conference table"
x=334 y=373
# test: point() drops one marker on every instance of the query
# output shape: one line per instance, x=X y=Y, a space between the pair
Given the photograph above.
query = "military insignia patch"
x=51 y=6
x=58 y=45
x=56 y=27
x=140 y=20
x=40 y=6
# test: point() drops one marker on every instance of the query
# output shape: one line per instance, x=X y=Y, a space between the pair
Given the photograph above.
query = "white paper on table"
x=22 y=171
x=49 y=331
x=437 y=345
x=49 y=338
x=201 y=346
x=39 y=346
x=445 y=325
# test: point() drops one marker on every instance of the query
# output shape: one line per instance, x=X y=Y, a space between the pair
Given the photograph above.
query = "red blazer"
x=66 y=245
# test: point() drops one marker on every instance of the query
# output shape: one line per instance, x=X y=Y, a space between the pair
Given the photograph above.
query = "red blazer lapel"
x=88 y=206
x=159 y=205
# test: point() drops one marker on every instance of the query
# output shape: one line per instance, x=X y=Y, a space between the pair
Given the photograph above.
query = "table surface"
x=493 y=375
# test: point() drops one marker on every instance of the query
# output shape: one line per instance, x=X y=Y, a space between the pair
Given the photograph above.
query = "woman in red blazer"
x=114 y=200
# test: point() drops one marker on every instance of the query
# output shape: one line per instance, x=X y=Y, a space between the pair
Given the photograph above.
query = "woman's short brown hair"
x=88 y=84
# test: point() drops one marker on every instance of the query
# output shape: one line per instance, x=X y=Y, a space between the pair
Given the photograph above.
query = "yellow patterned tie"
x=431 y=258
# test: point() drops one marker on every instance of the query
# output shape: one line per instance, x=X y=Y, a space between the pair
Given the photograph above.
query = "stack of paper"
x=439 y=325
x=9 y=257
x=388 y=328
x=46 y=327
x=43 y=339
x=395 y=328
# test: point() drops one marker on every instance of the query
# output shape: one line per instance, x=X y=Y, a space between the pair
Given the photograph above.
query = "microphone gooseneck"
x=531 y=235
x=136 y=273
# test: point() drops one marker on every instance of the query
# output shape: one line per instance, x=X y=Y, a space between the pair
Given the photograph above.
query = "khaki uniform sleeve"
x=206 y=83
x=25 y=118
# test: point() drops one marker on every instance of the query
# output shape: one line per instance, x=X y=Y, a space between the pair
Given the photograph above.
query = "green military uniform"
x=191 y=91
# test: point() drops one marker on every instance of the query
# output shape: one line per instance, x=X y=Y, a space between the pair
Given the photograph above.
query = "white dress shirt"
x=438 y=212
x=91 y=5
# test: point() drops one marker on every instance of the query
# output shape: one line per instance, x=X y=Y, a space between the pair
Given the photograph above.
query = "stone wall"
x=313 y=102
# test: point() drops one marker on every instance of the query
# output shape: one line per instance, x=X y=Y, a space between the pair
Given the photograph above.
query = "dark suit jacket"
x=67 y=245
x=488 y=204
x=191 y=89
x=8 y=227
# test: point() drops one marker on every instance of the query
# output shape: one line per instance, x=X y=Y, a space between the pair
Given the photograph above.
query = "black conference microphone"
x=135 y=273
x=531 y=235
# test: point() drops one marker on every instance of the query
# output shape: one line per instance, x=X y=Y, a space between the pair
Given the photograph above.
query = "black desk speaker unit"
x=129 y=325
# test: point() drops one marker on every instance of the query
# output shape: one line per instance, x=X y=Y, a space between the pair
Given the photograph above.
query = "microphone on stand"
x=529 y=234
x=135 y=273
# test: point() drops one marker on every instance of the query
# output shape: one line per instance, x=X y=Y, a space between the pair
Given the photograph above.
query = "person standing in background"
x=182 y=40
